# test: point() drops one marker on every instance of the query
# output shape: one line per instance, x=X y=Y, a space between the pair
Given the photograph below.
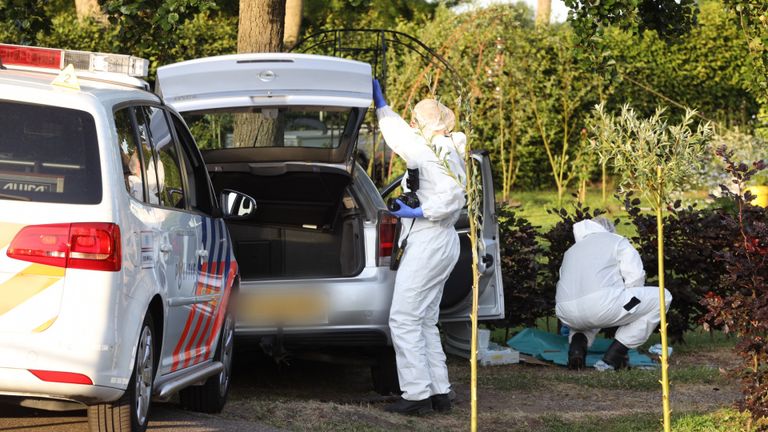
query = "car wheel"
x=130 y=413
x=212 y=396
x=384 y=373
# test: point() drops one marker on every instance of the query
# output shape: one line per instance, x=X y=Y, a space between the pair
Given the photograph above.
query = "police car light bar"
x=50 y=58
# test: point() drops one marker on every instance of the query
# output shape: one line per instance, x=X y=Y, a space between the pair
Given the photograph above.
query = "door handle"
x=487 y=263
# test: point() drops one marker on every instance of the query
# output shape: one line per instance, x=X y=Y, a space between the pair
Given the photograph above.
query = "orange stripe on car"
x=26 y=284
x=7 y=233
x=222 y=310
x=44 y=326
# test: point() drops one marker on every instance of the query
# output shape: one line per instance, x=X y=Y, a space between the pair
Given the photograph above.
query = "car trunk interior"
x=306 y=224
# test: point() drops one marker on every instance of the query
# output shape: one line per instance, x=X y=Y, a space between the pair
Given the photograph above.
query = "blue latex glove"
x=408 y=212
x=378 y=96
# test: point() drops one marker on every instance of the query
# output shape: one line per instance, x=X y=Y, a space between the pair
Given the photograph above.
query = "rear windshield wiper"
x=13 y=197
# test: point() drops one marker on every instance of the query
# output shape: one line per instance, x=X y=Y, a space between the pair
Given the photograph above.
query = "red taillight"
x=61 y=377
x=89 y=245
x=44 y=244
x=387 y=224
x=31 y=56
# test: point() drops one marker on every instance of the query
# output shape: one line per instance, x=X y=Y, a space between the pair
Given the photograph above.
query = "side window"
x=172 y=192
x=170 y=181
x=154 y=174
x=197 y=177
x=129 y=154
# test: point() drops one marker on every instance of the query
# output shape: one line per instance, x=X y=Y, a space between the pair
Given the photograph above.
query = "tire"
x=384 y=373
x=212 y=396
x=130 y=413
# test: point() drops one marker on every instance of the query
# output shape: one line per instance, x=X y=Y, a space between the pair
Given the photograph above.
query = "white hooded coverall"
x=432 y=251
x=600 y=276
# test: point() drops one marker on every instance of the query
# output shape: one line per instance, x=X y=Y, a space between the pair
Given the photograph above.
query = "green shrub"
x=68 y=32
x=693 y=240
x=523 y=300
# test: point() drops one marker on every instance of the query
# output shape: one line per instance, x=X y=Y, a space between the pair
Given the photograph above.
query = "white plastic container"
x=483 y=338
x=498 y=357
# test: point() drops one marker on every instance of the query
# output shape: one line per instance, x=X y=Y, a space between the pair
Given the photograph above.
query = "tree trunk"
x=261 y=26
x=293 y=10
x=543 y=11
x=261 y=29
x=89 y=9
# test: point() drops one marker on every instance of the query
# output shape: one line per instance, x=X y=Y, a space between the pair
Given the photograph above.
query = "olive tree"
x=657 y=160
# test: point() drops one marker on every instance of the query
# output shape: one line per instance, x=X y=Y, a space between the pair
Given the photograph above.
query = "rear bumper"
x=21 y=383
x=97 y=352
x=358 y=310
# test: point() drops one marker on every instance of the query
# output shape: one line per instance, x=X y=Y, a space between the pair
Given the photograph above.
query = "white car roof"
x=264 y=80
x=36 y=87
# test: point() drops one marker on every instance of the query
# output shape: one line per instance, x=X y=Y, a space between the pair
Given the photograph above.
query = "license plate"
x=280 y=309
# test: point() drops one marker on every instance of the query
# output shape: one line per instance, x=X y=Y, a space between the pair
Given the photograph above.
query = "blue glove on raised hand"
x=378 y=96
x=408 y=212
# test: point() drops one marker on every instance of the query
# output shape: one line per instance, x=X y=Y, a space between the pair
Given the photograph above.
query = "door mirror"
x=237 y=205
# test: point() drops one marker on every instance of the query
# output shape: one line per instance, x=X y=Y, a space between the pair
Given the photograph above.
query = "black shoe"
x=441 y=402
x=577 y=352
x=616 y=355
x=404 y=406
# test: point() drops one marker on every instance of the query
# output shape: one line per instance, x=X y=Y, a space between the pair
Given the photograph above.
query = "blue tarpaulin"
x=554 y=348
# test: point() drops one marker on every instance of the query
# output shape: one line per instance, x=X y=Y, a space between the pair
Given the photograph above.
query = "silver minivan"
x=314 y=250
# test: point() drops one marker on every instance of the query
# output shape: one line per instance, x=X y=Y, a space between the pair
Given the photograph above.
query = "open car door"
x=456 y=304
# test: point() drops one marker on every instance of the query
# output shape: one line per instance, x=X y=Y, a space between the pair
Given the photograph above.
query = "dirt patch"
x=721 y=358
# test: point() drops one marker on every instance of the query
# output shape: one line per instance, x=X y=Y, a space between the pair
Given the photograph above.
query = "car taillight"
x=387 y=224
x=89 y=245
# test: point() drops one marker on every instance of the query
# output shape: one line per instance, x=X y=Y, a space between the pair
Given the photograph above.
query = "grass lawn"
x=533 y=206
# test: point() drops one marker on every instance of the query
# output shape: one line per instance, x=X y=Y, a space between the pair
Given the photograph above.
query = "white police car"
x=116 y=267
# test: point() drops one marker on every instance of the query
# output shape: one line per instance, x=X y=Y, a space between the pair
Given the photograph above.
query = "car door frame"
x=218 y=251
x=491 y=298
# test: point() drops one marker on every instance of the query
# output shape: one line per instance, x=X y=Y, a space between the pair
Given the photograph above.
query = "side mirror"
x=236 y=205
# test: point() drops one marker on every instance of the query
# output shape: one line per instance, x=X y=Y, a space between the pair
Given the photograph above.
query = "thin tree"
x=658 y=160
x=293 y=14
x=543 y=12
x=555 y=101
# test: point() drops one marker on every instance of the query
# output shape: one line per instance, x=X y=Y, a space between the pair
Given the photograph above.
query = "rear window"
x=48 y=154
x=308 y=127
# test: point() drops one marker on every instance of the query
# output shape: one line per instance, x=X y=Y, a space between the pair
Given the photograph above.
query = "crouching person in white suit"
x=602 y=285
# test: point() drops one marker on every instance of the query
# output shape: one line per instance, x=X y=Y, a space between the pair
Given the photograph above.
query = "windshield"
x=48 y=154
x=270 y=127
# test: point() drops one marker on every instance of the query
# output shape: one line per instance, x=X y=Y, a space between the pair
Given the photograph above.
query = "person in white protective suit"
x=602 y=285
x=431 y=247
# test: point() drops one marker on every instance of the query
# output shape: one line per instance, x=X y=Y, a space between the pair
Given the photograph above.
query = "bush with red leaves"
x=743 y=308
